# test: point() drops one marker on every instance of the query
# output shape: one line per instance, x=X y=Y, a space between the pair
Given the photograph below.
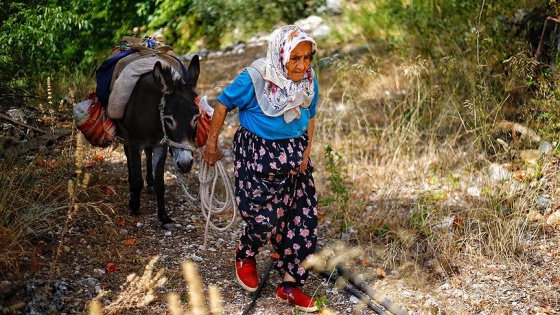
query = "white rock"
x=554 y=220
x=17 y=114
x=474 y=192
x=543 y=202
x=335 y=6
x=195 y=258
x=446 y=286
x=545 y=147
x=430 y=306
x=534 y=216
x=498 y=172
x=446 y=223
x=314 y=25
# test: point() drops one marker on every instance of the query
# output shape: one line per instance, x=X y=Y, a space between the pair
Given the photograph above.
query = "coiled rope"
x=209 y=176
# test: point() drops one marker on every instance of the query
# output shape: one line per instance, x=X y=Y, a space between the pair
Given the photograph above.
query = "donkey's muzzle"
x=182 y=159
x=184 y=166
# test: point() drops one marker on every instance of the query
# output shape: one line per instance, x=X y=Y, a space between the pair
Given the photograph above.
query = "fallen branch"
x=331 y=277
x=13 y=121
x=319 y=263
x=35 y=143
x=356 y=283
x=517 y=128
x=372 y=293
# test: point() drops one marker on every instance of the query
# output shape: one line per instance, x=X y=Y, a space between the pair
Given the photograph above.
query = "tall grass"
x=37 y=187
x=25 y=213
x=413 y=131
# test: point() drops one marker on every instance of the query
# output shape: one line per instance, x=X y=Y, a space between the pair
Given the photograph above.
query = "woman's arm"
x=210 y=153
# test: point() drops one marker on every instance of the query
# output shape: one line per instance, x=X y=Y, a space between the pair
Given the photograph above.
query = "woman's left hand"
x=303 y=166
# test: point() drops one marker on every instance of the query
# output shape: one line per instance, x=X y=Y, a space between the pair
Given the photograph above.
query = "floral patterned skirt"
x=276 y=200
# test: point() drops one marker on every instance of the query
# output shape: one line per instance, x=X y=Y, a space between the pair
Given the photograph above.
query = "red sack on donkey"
x=92 y=120
x=203 y=122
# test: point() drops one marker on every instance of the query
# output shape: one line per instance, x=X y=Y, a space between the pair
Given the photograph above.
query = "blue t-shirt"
x=241 y=94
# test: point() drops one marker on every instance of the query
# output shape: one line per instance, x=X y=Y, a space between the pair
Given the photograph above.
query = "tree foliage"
x=193 y=24
x=39 y=36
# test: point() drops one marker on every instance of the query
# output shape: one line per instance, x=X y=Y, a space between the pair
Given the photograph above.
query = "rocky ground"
x=104 y=245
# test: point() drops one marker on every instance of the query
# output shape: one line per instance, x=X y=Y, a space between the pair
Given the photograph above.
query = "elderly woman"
x=275 y=192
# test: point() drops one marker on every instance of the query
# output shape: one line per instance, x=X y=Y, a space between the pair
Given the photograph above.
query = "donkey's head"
x=180 y=112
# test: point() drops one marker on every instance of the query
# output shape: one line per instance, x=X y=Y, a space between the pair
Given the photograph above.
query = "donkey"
x=160 y=115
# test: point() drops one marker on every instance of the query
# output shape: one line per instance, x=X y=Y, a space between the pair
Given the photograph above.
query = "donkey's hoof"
x=168 y=226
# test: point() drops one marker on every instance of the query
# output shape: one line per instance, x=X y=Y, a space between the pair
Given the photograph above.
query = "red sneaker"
x=246 y=273
x=295 y=296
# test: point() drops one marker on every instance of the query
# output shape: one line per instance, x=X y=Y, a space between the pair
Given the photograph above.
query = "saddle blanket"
x=125 y=82
x=117 y=76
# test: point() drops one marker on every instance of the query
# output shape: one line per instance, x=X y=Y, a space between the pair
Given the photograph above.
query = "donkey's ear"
x=193 y=71
x=163 y=78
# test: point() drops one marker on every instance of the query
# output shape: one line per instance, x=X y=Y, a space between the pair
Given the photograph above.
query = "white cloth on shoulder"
x=291 y=108
x=203 y=103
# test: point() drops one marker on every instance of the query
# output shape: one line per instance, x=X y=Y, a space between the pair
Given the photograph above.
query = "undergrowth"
x=26 y=212
x=38 y=186
x=414 y=133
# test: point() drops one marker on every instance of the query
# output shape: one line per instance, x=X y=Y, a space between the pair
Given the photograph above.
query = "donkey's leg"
x=135 y=180
x=149 y=169
x=159 y=157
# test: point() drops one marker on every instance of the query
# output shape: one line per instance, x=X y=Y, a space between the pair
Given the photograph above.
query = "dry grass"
x=26 y=212
x=410 y=153
x=409 y=145
x=34 y=196
x=137 y=291
x=196 y=294
x=79 y=198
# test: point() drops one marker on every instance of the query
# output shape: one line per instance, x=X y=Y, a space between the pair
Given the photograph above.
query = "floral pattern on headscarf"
x=280 y=47
x=282 y=93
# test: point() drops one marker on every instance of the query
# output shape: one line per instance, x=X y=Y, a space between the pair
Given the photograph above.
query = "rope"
x=208 y=177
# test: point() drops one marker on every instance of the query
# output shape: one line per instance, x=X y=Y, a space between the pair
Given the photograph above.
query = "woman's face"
x=300 y=61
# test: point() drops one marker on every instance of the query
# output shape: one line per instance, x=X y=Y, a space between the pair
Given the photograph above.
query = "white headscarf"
x=285 y=96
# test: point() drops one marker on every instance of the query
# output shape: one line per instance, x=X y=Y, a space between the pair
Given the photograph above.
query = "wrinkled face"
x=300 y=61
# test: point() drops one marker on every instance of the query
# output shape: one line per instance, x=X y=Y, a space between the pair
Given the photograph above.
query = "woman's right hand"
x=211 y=154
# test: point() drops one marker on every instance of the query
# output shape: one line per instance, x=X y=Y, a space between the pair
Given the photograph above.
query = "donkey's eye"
x=169 y=122
x=194 y=120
